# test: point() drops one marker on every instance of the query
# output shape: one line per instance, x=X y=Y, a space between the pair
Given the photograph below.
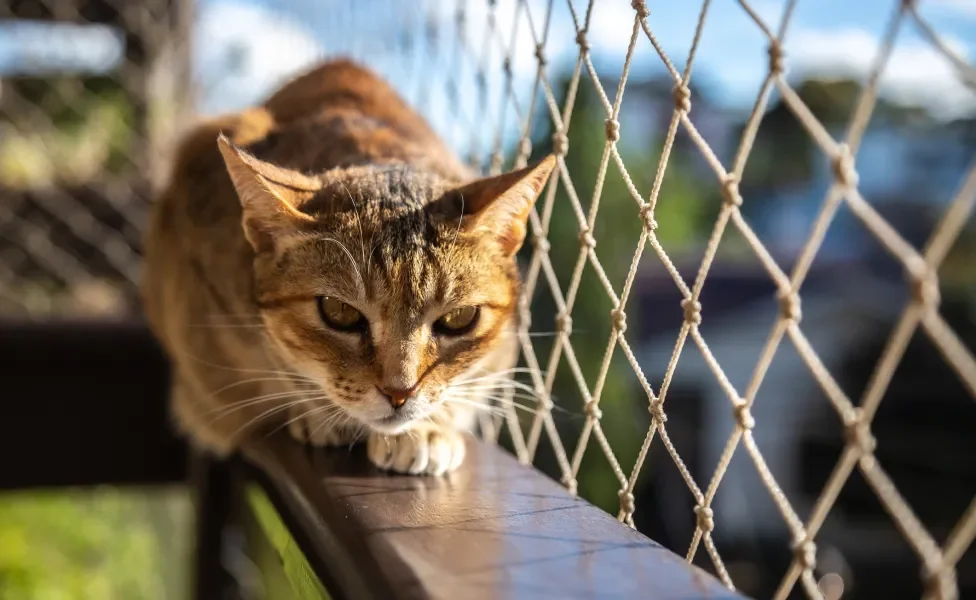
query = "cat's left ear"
x=501 y=205
x=270 y=195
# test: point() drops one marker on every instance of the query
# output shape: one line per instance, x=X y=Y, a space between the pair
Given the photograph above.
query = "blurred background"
x=94 y=93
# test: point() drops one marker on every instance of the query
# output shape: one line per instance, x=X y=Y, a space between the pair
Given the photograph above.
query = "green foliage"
x=783 y=152
x=285 y=571
x=106 y=544
x=79 y=130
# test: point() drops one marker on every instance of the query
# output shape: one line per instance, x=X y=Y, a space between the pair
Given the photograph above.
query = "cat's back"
x=343 y=114
x=339 y=114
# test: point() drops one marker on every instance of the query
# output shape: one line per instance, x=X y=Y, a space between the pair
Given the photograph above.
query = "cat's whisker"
x=498 y=398
x=238 y=370
x=460 y=221
x=492 y=393
x=282 y=404
x=504 y=380
x=538 y=334
x=351 y=259
x=227 y=325
x=338 y=417
x=510 y=370
x=235 y=406
x=504 y=383
x=495 y=410
x=296 y=380
x=359 y=222
x=507 y=402
x=493 y=381
x=308 y=413
x=268 y=413
x=503 y=374
x=214 y=316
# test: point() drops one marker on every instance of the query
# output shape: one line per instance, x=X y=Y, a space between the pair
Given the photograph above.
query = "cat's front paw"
x=427 y=451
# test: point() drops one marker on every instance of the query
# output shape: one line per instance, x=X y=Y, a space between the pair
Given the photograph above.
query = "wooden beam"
x=493 y=530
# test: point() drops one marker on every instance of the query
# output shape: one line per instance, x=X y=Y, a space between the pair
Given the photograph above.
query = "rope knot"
x=626 y=501
x=924 y=285
x=592 y=410
x=692 y=310
x=540 y=243
x=730 y=190
x=844 y=167
x=806 y=554
x=525 y=314
x=564 y=323
x=656 y=408
x=641 y=8
x=857 y=433
x=507 y=67
x=647 y=216
x=706 y=518
x=582 y=42
x=789 y=306
x=743 y=416
x=560 y=144
x=586 y=239
x=682 y=98
x=525 y=147
x=939 y=581
x=776 y=61
x=612 y=127
x=569 y=483
x=540 y=55
x=619 y=320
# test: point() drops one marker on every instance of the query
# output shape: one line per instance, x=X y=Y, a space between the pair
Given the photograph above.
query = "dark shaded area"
x=84 y=403
x=925 y=443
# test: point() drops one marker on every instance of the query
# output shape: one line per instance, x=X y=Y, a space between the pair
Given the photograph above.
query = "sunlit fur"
x=333 y=188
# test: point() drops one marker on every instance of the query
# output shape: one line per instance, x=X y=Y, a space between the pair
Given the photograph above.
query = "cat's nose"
x=397 y=397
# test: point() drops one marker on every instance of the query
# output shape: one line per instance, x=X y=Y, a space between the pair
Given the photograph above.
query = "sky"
x=826 y=37
x=244 y=48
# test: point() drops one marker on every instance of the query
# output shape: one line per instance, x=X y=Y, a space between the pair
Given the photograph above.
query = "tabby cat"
x=324 y=263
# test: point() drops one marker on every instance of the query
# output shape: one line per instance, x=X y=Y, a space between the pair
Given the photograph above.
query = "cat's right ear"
x=270 y=195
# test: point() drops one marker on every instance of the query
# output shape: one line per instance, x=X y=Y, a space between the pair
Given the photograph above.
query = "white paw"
x=421 y=452
x=315 y=433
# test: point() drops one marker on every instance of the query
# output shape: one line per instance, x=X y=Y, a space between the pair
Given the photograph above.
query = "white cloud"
x=243 y=52
x=35 y=47
x=916 y=73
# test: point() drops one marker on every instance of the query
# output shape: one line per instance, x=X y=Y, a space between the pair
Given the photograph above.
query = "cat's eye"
x=339 y=315
x=458 y=321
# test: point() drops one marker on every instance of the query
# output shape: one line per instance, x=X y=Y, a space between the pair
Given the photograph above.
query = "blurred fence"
x=80 y=154
x=88 y=111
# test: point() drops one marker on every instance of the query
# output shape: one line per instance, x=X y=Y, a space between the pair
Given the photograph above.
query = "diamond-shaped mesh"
x=487 y=46
x=85 y=126
x=922 y=311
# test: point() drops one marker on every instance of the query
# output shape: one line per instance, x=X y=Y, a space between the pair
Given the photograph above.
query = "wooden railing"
x=85 y=404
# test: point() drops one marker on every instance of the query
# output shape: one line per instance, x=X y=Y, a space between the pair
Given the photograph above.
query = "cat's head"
x=392 y=289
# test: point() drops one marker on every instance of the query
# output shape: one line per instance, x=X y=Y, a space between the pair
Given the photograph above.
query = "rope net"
x=921 y=268
x=103 y=237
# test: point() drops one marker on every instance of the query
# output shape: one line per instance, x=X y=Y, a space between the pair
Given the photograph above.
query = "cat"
x=324 y=263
